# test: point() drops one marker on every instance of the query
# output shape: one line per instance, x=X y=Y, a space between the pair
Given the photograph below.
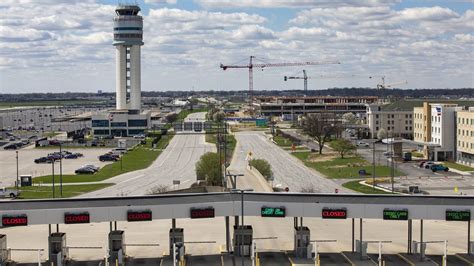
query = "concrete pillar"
x=120 y=77
x=135 y=74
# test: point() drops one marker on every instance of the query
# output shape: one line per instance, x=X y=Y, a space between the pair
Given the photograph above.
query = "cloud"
x=291 y=3
x=161 y=1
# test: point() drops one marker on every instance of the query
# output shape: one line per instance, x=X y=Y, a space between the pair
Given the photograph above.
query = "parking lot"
x=26 y=165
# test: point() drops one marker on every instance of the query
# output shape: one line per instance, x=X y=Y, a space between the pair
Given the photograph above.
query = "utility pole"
x=373 y=166
x=17 y=172
x=52 y=166
x=61 y=169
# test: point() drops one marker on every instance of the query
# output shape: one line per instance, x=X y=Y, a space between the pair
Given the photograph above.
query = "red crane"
x=251 y=65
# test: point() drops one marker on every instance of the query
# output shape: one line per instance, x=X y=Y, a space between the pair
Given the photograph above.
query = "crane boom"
x=251 y=65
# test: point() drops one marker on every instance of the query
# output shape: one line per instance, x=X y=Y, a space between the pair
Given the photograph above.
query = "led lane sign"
x=136 y=216
x=202 y=213
x=334 y=213
x=395 y=214
x=273 y=212
x=15 y=220
x=452 y=215
x=77 y=218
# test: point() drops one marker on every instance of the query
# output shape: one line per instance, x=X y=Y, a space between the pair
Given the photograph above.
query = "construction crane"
x=251 y=66
x=382 y=85
x=305 y=78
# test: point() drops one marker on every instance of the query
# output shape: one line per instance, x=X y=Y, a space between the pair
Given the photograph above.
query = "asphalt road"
x=176 y=162
x=288 y=170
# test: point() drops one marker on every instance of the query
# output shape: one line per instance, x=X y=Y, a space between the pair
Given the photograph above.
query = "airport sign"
x=77 y=218
x=328 y=213
x=15 y=220
x=138 y=216
x=197 y=213
x=457 y=215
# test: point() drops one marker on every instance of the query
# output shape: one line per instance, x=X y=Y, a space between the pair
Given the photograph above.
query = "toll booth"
x=176 y=237
x=243 y=238
x=416 y=249
x=117 y=247
x=58 y=252
x=302 y=242
x=363 y=253
x=4 y=252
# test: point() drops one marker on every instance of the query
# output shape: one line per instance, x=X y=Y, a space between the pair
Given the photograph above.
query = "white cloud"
x=291 y=3
x=161 y=1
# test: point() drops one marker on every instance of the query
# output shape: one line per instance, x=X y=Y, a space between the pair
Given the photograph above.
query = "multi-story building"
x=294 y=106
x=465 y=137
x=396 y=122
x=435 y=130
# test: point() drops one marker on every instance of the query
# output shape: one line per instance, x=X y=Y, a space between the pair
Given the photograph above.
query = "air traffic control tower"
x=127 y=119
x=128 y=37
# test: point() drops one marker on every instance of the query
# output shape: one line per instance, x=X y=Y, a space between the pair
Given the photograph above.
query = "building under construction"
x=289 y=107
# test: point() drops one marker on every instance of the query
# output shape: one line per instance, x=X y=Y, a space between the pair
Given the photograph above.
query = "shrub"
x=263 y=167
x=208 y=168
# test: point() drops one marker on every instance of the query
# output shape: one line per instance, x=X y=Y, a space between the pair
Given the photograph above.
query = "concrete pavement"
x=288 y=170
x=176 y=162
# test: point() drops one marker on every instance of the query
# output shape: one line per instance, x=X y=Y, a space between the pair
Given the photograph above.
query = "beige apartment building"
x=397 y=122
x=465 y=137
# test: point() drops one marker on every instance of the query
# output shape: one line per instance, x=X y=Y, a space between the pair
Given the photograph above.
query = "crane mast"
x=251 y=66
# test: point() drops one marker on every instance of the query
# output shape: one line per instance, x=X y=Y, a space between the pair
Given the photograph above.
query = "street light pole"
x=17 y=172
x=373 y=166
x=60 y=169
x=52 y=166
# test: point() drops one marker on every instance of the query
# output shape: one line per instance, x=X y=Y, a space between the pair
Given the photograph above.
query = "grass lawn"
x=459 y=167
x=344 y=168
x=282 y=141
x=354 y=185
x=68 y=191
x=139 y=158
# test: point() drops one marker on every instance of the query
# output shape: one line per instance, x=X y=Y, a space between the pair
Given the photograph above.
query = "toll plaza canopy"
x=209 y=205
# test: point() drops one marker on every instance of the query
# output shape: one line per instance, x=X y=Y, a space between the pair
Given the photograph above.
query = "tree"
x=218 y=116
x=208 y=168
x=342 y=146
x=263 y=167
x=349 y=118
x=211 y=112
x=320 y=126
x=381 y=134
x=171 y=117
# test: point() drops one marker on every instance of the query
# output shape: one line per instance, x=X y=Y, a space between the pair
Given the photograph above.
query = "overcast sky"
x=66 y=45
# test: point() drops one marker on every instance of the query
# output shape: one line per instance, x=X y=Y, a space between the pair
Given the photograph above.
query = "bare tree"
x=320 y=126
x=158 y=189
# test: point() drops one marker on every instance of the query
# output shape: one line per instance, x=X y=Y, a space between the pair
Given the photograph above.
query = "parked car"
x=363 y=144
x=7 y=192
x=71 y=156
x=85 y=170
x=388 y=154
x=428 y=165
x=12 y=146
x=43 y=160
x=439 y=167
x=107 y=158
x=95 y=168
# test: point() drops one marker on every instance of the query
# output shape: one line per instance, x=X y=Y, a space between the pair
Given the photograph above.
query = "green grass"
x=184 y=113
x=231 y=142
x=354 y=185
x=68 y=191
x=282 y=141
x=139 y=158
x=459 y=167
x=344 y=168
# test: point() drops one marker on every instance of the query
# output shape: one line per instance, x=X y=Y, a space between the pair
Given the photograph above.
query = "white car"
x=6 y=192
x=363 y=144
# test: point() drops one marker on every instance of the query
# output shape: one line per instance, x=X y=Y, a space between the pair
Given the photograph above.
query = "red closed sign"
x=334 y=213
x=15 y=220
x=77 y=218
x=136 y=216
x=202 y=213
